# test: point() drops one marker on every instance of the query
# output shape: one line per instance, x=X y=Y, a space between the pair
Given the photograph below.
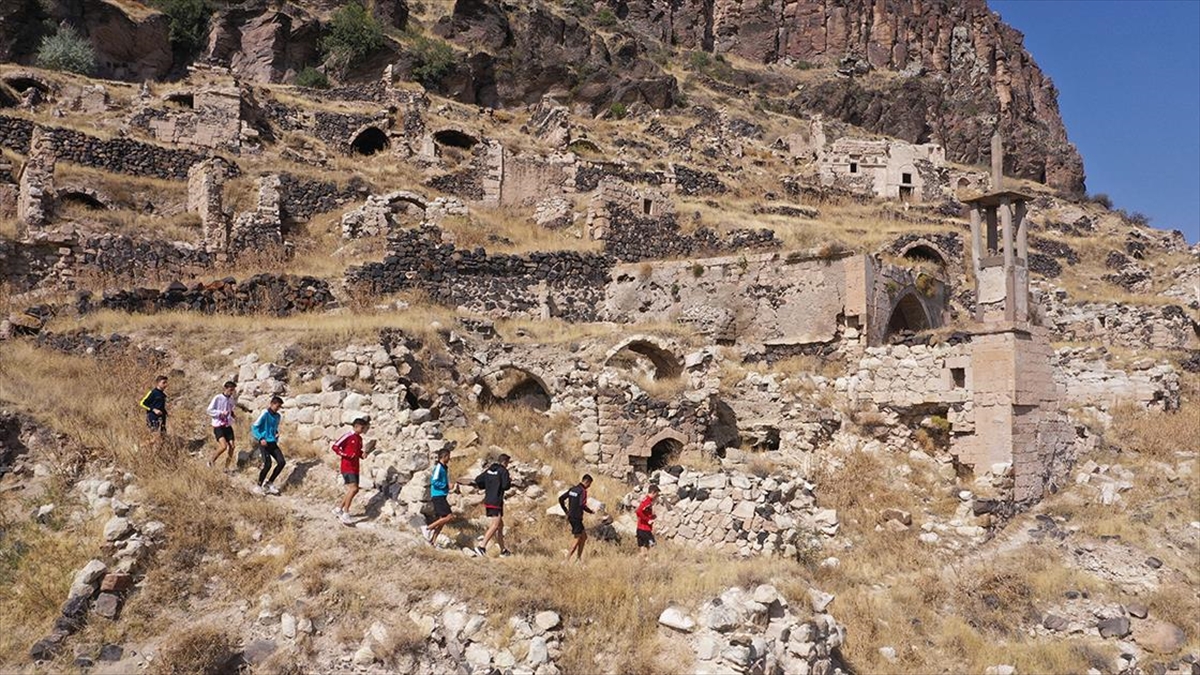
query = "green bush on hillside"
x=434 y=60
x=312 y=78
x=68 y=51
x=188 y=23
x=353 y=35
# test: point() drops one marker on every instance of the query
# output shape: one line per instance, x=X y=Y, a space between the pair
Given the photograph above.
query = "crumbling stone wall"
x=35 y=188
x=212 y=121
x=302 y=198
x=771 y=299
x=738 y=513
x=116 y=155
x=262 y=228
x=1124 y=325
x=277 y=294
x=563 y=283
x=206 y=182
x=1085 y=378
x=629 y=237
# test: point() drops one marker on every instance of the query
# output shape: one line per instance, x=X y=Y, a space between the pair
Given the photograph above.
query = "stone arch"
x=394 y=199
x=512 y=384
x=923 y=249
x=22 y=82
x=368 y=141
x=182 y=99
x=667 y=364
x=455 y=138
x=85 y=197
x=661 y=451
x=908 y=314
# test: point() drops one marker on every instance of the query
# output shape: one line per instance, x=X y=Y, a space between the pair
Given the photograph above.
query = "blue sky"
x=1128 y=76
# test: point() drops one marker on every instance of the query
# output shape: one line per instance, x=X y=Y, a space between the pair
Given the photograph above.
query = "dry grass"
x=184 y=227
x=195 y=650
x=209 y=519
x=36 y=569
x=1161 y=435
x=8 y=228
x=512 y=230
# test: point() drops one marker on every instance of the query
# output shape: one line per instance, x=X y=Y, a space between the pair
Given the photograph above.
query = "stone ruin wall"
x=116 y=155
x=773 y=299
x=565 y=284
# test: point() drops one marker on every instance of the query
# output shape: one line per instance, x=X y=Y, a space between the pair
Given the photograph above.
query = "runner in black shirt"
x=573 y=502
x=494 y=481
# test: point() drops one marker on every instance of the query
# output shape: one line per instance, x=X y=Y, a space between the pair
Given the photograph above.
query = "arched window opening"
x=369 y=141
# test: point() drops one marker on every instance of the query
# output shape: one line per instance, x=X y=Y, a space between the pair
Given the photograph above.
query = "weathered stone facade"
x=889 y=169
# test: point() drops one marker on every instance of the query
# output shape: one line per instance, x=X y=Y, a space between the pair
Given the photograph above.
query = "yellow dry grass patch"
x=36 y=569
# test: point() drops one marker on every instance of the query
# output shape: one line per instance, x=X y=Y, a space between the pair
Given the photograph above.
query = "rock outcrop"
x=966 y=71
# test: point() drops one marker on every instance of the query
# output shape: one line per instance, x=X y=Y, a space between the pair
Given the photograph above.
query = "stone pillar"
x=206 y=182
x=36 y=184
x=493 y=173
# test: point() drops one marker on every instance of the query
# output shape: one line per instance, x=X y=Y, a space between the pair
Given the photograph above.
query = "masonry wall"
x=767 y=298
x=565 y=284
x=117 y=155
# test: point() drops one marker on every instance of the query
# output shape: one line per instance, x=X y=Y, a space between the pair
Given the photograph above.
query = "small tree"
x=434 y=59
x=618 y=110
x=67 y=50
x=353 y=35
x=312 y=78
x=188 y=20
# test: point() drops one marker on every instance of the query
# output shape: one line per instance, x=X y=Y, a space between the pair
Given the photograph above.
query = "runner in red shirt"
x=645 y=520
x=350 y=448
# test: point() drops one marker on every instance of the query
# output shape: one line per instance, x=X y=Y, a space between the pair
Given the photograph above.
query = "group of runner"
x=494 y=481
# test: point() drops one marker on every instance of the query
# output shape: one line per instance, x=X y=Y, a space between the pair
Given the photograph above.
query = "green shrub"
x=188 y=23
x=67 y=50
x=580 y=7
x=434 y=60
x=353 y=35
x=312 y=78
x=605 y=17
x=618 y=110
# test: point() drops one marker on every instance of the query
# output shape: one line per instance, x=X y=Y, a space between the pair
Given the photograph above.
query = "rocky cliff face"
x=972 y=71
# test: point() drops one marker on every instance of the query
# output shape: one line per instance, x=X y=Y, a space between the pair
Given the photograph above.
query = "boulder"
x=1159 y=637
x=1115 y=627
x=117 y=528
x=90 y=573
x=677 y=618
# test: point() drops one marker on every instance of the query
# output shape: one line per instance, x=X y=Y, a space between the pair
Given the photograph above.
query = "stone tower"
x=1014 y=397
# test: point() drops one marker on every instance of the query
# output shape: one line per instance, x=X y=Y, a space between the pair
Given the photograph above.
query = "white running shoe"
x=347 y=520
x=257 y=489
x=271 y=489
x=425 y=532
x=337 y=511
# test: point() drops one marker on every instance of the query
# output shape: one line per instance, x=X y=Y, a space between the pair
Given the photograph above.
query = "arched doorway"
x=510 y=385
x=663 y=454
x=369 y=141
x=908 y=315
x=455 y=139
